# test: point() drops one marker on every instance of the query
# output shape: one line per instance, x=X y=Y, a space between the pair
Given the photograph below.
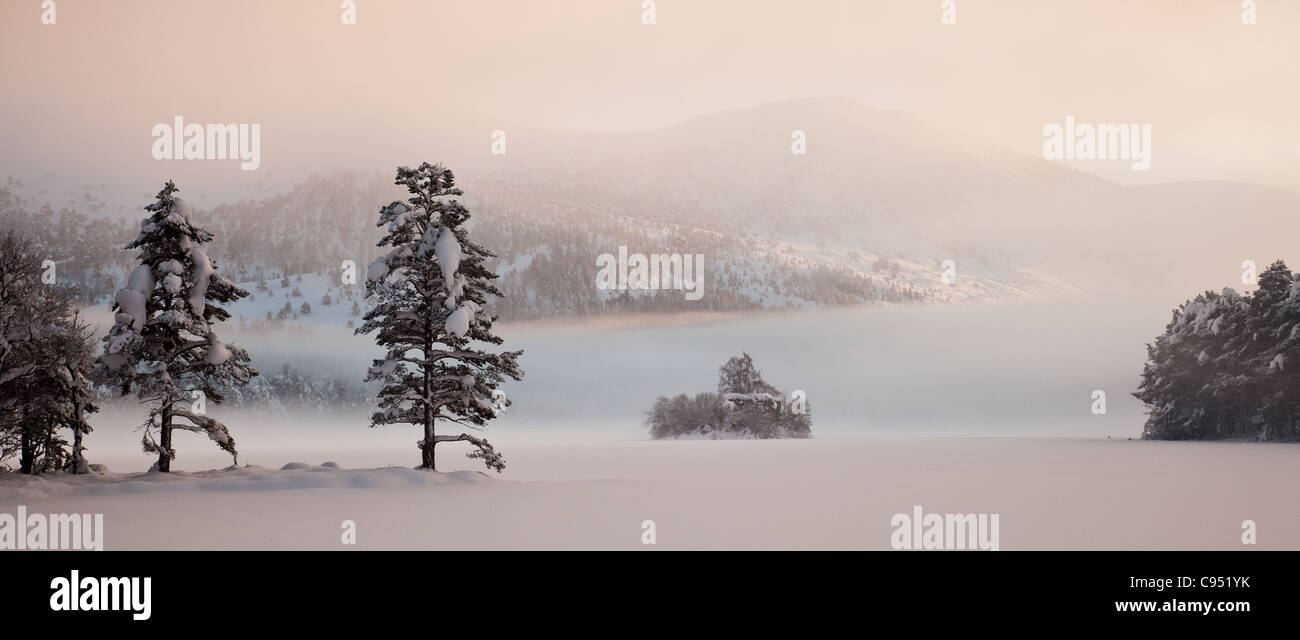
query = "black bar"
x=320 y=589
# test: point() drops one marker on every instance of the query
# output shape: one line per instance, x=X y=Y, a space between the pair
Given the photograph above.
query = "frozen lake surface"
x=826 y=493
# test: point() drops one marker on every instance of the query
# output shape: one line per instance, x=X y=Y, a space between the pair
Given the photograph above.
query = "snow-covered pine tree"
x=429 y=294
x=163 y=343
x=1284 y=365
x=1272 y=331
x=1211 y=334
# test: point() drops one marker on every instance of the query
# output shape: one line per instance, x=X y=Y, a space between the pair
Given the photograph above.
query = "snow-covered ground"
x=836 y=493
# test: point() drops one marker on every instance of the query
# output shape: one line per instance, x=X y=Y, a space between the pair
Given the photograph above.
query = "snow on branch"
x=214 y=428
x=485 y=451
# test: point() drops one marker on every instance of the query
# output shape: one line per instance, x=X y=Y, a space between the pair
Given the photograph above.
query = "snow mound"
x=291 y=477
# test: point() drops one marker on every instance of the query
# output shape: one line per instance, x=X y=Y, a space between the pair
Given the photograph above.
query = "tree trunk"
x=76 y=434
x=426 y=453
x=26 y=455
x=165 y=440
x=49 y=446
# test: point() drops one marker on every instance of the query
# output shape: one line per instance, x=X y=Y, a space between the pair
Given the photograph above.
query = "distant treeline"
x=164 y=350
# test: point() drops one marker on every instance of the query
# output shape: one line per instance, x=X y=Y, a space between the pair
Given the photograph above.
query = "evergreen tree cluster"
x=45 y=362
x=744 y=407
x=1228 y=365
x=430 y=293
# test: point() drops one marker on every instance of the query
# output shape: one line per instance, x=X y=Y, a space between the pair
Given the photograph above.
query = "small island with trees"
x=744 y=407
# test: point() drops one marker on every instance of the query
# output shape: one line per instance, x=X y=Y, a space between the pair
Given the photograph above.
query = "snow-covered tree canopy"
x=163 y=341
x=22 y=317
x=1228 y=365
x=430 y=293
x=739 y=375
x=44 y=361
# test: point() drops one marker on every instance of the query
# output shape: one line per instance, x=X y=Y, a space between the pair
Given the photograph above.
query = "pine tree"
x=1211 y=335
x=1284 y=363
x=1271 y=334
x=163 y=343
x=429 y=294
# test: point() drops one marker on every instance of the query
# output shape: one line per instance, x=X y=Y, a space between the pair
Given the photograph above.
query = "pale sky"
x=1222 y=97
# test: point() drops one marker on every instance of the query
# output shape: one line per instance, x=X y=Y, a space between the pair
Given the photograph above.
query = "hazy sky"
x=1222 y=97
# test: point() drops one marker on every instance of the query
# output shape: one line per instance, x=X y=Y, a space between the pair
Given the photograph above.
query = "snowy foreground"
x=837 y=493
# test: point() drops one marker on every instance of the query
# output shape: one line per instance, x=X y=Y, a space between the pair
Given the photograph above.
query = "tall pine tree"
x=1284 y=364
x=162 y=343
x=430 y=291
x=1272 y=333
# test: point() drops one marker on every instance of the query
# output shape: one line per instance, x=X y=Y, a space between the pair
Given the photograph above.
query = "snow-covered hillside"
x=971 y=280
x=279 y=302
x=882 y=183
